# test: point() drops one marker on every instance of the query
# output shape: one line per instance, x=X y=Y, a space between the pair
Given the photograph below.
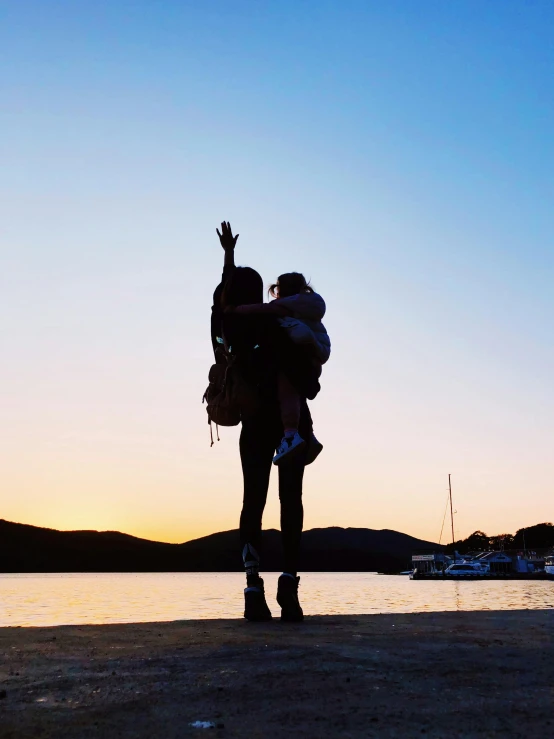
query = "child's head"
x=291 y=283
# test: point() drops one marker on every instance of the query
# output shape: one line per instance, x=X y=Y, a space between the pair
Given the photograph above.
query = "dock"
x=458 y=674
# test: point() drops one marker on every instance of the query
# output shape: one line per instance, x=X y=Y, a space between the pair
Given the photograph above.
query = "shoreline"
x=457 y=674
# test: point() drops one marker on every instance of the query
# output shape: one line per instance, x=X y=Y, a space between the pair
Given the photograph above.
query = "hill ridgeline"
x=25 y=548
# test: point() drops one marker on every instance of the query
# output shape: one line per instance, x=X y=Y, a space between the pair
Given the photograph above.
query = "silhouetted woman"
x=261 y=351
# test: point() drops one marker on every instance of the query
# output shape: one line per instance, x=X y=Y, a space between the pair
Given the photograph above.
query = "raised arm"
x=228 y=243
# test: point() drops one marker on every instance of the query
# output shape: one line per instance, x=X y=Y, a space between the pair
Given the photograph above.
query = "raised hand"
x=226 y=238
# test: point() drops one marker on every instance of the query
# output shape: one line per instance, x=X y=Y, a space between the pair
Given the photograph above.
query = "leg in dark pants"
x=257 y=446
x=291 y=476
x=256 y=453
x=289 y=402
x=259 y=437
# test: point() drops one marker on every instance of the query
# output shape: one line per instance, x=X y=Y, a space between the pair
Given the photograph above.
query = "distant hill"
x=26 y=548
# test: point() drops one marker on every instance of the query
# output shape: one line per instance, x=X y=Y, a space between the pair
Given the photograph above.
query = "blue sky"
x=398 y=153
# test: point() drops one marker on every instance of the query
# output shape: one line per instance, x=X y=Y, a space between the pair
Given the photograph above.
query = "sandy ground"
x=478 y=674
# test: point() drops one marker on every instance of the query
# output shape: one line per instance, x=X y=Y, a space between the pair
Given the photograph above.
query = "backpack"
x=228 y=397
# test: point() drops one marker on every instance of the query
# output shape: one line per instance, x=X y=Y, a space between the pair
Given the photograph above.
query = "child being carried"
x=300 y=311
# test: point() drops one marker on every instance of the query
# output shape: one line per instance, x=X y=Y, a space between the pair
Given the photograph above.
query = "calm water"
x=44 y=600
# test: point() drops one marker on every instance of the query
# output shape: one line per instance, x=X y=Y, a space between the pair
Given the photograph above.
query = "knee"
x=291 y=496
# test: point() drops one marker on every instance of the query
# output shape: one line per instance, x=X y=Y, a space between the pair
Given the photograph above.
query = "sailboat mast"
x=451 y=511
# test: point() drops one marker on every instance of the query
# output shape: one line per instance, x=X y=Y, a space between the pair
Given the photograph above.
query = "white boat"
x=492 y=565
x=466 y=569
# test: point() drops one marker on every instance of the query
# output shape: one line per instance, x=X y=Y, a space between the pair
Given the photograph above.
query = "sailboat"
x=478 y=566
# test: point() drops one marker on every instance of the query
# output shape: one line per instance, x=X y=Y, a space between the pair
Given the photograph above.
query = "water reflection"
x=52 y=599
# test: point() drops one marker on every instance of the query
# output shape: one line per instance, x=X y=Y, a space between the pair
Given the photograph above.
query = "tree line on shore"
x=540 y=536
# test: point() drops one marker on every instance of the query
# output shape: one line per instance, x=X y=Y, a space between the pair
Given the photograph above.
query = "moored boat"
x=467 y=569
x=478 y=565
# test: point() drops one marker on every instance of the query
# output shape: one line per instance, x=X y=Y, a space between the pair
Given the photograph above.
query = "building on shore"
x=494 y=564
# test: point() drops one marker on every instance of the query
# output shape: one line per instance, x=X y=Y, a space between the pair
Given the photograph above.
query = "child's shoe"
x=289 y=448
x=315 y=448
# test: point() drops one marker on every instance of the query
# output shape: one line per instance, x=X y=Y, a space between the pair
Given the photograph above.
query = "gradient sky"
x=399 y=153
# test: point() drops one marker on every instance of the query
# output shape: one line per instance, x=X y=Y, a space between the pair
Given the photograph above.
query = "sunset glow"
x=398 y=154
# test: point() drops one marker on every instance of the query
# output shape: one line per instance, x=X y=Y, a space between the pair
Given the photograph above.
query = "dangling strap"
x=212 y=433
